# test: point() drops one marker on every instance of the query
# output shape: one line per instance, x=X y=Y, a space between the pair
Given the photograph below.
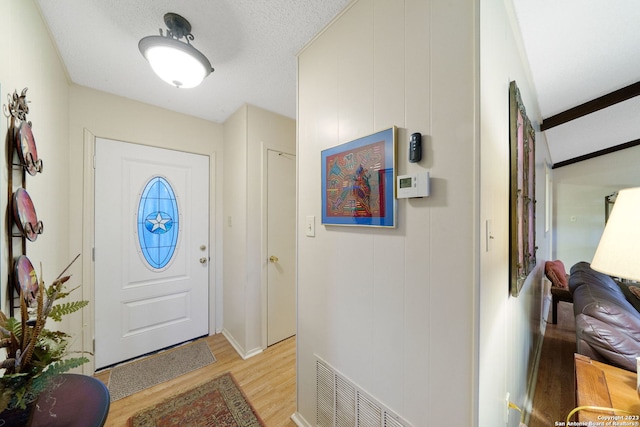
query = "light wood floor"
x=555 y=390
x=267 y=379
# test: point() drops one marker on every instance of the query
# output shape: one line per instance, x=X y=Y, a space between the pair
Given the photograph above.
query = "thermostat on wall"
x=414 y=185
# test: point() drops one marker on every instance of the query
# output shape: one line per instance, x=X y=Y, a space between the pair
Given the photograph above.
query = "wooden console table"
x=599 y=384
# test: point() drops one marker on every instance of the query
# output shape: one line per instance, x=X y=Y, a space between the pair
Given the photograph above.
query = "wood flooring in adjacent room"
x=267 y=379
x=555 y=390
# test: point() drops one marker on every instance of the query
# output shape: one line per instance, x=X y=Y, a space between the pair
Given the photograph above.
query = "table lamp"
x=618 y=253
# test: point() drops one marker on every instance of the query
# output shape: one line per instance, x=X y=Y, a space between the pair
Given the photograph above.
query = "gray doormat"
x=138 y=375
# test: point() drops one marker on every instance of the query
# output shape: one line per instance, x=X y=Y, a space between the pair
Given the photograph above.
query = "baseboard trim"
x=533 y=379
x=299 y=420
x=252 y=353
x=238 y=348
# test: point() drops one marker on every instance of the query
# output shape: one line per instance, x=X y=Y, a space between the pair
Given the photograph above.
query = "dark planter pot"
x=17 y=417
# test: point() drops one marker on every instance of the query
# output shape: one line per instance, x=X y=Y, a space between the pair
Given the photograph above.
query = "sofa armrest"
x=583 y=275
x=604 y=342
x=599 y=296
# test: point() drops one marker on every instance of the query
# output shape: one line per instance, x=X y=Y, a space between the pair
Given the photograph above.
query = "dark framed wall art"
x=522 y=193
x=358 y=181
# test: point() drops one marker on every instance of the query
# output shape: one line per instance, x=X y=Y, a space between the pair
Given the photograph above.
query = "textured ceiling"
x=252 y=46
x=578 y=50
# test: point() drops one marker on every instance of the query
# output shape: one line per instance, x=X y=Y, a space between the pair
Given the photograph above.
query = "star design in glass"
x=159 y=222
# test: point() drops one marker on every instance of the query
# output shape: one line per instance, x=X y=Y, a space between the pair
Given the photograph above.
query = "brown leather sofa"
x=607 y=324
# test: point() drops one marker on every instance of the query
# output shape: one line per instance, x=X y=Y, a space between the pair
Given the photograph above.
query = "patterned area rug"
x=217 y=403
x=136 y=376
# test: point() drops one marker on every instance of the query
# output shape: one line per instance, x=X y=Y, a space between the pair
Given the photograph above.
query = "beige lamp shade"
x=618 y=253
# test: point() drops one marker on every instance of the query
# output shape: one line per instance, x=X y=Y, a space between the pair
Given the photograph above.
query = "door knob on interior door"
x=203 y=260
x=273 y=258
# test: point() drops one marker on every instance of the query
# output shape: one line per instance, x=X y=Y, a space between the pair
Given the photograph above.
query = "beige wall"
x=580 y=190
x=246 y=134
x=393 y=310
x=235 y=229
x=66 y=117
x=61 y=113
x=29 y=59
x=99 y=114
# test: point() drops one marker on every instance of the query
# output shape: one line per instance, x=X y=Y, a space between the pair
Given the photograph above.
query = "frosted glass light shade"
x=618 y=253
x=175 y=62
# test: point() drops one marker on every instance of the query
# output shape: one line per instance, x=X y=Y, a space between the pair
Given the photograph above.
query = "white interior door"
x=151 y=249
x=281 y=220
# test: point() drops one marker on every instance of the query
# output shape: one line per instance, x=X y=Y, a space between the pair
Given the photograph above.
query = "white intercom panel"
x=413 y=185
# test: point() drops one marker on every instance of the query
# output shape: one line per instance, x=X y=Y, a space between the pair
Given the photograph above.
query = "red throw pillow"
x=556 y=273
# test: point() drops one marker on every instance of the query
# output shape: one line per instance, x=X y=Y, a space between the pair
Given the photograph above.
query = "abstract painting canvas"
x=358 y=181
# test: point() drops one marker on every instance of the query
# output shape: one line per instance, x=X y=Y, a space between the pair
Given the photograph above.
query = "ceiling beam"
x=597 y=154
x=589 y=107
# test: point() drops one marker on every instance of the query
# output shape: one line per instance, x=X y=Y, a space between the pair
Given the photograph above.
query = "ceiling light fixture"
x=176 y=62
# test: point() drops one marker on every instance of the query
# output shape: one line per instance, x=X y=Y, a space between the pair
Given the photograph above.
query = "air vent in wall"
x=341 y=403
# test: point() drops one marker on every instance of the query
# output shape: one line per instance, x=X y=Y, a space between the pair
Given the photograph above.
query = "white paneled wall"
x=509 y=327
x=420 y=316
x=392 y=308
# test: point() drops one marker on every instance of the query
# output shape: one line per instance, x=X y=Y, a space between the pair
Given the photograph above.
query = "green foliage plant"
x=35 y=354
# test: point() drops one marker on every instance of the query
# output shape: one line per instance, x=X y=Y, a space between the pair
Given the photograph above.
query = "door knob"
x=273 y=258
x=203 y=260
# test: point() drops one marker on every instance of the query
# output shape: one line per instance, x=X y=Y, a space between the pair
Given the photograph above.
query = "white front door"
x=151 y=249
x=281 y=242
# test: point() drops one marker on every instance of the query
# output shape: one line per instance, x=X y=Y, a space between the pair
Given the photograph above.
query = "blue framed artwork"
x=358 y=181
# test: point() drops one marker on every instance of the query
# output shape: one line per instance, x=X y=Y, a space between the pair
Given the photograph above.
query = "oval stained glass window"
x=158 y=223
